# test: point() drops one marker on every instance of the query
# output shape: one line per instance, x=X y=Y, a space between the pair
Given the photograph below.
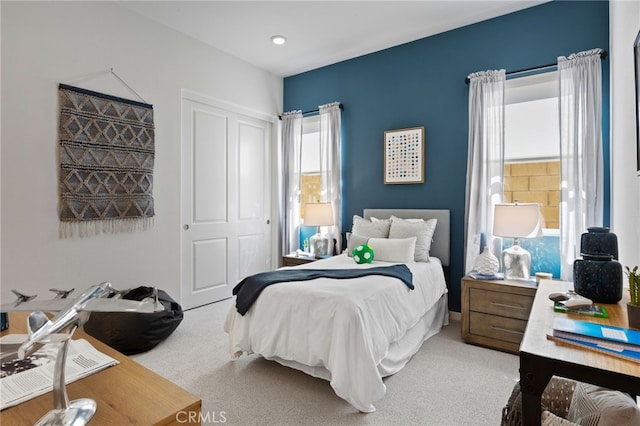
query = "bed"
x=352 y=332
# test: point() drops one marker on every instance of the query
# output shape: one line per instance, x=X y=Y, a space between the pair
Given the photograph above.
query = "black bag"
x=133 y=332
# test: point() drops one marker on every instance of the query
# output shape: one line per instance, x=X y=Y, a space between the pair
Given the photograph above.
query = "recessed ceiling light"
x=278 y=39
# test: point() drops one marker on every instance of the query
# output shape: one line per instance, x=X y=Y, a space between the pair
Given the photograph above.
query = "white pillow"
x=354 y=241
x=423 y=231
x=375 y=219
x=550 y=419
x=365 y=228
x=594 y=405
x=406 y=220
x=393 y=249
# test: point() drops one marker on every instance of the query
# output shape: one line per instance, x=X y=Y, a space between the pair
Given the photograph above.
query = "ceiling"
x=318 y=33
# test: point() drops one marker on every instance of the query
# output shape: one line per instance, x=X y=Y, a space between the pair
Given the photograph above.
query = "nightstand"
x=495 y=312
x=292 y=260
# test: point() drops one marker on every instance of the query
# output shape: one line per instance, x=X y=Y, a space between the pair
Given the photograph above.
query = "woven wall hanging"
x=106 y=153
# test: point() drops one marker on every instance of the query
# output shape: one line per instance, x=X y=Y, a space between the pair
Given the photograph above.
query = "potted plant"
x=633 y=307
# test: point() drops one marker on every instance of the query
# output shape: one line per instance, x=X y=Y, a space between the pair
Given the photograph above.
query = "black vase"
x=598 y=277
x=599 y=241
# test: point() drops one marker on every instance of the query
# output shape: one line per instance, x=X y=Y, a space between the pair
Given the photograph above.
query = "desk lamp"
x=517 y=220
x=318 y=214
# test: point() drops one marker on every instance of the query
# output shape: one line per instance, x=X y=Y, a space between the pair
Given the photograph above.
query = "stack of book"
x=479 y=276
x=616 y=341
x=591 y=310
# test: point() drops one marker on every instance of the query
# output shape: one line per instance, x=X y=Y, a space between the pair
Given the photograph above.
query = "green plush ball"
x=363 y=253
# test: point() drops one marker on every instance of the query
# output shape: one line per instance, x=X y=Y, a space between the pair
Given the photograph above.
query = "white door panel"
x=225 y=200
x=251 y=255
x=209 y=166
x=209 y=274
x=252 y=171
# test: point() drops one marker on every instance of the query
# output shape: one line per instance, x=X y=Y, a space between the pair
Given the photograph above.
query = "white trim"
x=532 y=87
x=226 y=105
x=311 y=124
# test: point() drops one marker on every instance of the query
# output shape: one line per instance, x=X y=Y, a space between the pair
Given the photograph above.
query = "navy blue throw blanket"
x=248 y=290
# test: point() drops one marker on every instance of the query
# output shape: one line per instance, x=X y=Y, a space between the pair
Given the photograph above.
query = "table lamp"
x=517 y=220
x=318 y=214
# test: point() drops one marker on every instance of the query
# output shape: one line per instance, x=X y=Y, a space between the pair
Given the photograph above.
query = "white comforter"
x=342 y=329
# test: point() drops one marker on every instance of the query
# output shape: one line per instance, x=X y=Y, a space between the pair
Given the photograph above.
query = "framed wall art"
x=404 y=156
x=636 y=57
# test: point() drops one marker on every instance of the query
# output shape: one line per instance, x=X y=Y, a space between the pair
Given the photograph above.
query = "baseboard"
x=455 y=316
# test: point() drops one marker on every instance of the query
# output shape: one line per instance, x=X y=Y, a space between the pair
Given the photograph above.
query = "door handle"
x=185 y=227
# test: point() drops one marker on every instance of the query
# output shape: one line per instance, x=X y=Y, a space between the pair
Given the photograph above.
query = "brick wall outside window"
x=310 y=190
x=535 y=182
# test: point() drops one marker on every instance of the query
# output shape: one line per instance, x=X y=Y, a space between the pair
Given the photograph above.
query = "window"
x=310 y=185
x=310 y=176
x=532 y=160
x=532 y=144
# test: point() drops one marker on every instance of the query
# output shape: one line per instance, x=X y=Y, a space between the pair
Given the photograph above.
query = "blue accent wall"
x=422 y=84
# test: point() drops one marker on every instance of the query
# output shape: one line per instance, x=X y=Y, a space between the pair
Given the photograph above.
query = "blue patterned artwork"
x=545 y=252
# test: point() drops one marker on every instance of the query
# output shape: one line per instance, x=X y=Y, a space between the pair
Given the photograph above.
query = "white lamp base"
x=319 y=245
x=516 y=262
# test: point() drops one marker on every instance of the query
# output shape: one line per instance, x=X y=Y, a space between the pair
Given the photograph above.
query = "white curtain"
x=290 y=154
x=330 y=142
x=581 y=157
x=485 y=169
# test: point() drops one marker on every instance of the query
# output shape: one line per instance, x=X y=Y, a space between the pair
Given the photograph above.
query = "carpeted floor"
x=446 y=383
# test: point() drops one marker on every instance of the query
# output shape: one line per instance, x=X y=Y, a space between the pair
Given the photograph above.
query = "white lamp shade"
x=318 y=214
x=518 y=220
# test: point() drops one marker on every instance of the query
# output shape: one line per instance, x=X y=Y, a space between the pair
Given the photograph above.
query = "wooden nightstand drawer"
x=495 y=312
x=496 y=327
x=500 y=303
x=296 y=260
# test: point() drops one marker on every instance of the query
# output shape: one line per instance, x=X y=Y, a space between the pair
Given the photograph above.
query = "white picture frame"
x=404 y=156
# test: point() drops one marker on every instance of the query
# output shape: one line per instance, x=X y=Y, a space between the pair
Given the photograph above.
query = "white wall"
x=46 y=43
x=624 y=23
x=0 y=157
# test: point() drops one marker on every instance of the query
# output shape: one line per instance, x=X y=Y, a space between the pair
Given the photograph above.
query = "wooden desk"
x=127 y=393
x=541 y=358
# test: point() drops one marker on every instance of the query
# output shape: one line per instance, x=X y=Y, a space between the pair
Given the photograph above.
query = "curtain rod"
x=603 y=55
x=312 y=111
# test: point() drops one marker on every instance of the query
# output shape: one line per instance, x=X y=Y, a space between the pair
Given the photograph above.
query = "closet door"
x=226 y=193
